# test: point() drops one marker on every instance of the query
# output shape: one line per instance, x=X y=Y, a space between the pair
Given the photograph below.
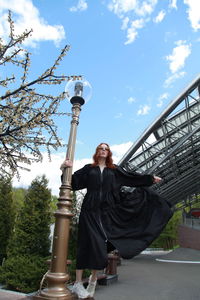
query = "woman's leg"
x=92 y=283
x=79 y=274
x=78 y=287
x=93 y=275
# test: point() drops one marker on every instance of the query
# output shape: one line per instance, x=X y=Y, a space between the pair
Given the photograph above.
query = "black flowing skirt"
x=130 y=227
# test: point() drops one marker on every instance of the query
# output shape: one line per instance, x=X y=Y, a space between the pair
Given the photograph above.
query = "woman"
x=110 y=219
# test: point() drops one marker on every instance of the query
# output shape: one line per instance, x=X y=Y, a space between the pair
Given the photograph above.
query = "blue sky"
x=137 y=55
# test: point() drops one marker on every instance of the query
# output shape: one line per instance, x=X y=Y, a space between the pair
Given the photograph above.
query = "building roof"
x=170 y=148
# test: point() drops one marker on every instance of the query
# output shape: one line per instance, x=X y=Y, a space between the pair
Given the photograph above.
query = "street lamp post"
x=57 y=277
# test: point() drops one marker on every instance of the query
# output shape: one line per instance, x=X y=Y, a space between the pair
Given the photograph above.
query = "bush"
x=23 y=273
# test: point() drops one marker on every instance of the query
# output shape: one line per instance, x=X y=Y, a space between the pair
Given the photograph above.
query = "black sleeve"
x=79 y=178
x=133 y=179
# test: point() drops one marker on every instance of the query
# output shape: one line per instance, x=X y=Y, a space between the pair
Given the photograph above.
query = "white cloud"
x=142 y=8
x=130 y=10
x=133 y=13
x=139 y=23
x=118 y=116
x=79 y=163
x=131 y=100
x=125 y=23
x=119 y=150
x=131 y=35
x=143 y=110
x=120 y=7
x=146 y=7
x=81 y=6
x=132 y=30
x=177 y=61
x=172 y=4
x=170 y=80
x=27 y=16
x=178 y=56
x=193 y=13
x=161 y=98
x=52 y=169
x=169 y=35
x=160 y=16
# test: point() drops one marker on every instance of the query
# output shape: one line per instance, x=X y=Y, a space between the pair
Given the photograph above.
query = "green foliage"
x=168 y=237
x=72 y=248
x=73 y=241
x=6 y=215
x=72 y=270
x=29 y=244
x=53 y=207
x=32 y=229
x=18 y=198
x=195 y=204
x=22 y=273
x=73 y=230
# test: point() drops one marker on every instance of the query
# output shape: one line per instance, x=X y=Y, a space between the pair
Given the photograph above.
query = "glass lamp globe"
x=78 y=91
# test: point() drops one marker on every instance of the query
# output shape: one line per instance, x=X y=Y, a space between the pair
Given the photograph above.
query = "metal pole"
x=57 y=277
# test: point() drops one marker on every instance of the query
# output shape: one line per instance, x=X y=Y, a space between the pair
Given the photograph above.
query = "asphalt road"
x=144 y=278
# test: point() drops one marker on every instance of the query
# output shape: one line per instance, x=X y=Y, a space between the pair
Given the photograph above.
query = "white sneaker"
x=91 y=286
x=79 y=290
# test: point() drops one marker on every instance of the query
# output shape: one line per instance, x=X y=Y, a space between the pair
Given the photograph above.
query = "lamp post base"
x=42 y=296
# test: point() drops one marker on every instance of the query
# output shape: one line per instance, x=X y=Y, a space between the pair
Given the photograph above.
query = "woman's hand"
x=66 y=164
x=156 y=179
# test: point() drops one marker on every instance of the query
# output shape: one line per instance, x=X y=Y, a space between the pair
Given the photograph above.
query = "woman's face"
x=103 y=151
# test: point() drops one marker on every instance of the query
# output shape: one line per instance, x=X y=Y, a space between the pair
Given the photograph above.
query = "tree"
x=26 y=113
x=32 y=228
x=53 y=207
x=29 y=244
x=168 y=238
x=6 y=215
x=18 y=200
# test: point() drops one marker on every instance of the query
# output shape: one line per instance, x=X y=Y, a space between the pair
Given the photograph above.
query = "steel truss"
x=170 y=148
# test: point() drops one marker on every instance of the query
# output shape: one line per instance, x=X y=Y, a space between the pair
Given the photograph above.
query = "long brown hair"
x=109 y=160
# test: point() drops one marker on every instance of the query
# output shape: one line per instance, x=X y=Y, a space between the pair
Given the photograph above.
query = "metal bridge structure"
x=170 y=148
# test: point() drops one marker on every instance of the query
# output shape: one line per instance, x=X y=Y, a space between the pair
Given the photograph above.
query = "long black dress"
x=128 y=223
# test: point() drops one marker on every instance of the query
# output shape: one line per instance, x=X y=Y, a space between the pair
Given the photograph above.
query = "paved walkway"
x=9 y=295
x=145 y=278
x=153 y=276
